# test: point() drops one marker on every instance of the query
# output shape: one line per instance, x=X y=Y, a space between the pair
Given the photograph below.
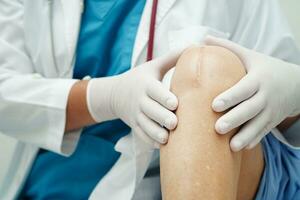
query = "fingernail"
x=163 y=139
x=172 y=103
x=218 y=105
x=171 y=123
x=223 y=127
x=236 y=145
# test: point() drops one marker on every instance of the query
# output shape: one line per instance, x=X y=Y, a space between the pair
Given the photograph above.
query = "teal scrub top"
x=105 y=46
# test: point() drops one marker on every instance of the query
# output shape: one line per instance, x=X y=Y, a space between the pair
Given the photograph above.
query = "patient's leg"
x=197 y=162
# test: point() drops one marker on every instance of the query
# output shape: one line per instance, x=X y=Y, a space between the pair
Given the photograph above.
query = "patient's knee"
x=201 y=73
x=211 y=68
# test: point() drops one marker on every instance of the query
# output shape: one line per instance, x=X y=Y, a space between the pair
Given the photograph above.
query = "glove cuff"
x=99 y=99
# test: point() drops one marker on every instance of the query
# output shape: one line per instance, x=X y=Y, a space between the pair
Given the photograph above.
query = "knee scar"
x=209 y=68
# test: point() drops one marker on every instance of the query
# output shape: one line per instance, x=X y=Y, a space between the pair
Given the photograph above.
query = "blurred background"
x=291 y=9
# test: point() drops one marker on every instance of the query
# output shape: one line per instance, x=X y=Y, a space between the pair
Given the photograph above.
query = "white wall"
x=292 y=10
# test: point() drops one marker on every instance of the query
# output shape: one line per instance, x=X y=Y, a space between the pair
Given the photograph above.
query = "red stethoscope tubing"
x=152 y=30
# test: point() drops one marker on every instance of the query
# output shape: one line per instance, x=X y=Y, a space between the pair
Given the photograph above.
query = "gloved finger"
x=164 y=63
x=158 y=92
x=249 y=132
x=154 y=130
x=240 y=114
x=241 y=91
x=240 y=51
x=260 y=136
x=140 y=132
x=256 y=140
x=158 y=113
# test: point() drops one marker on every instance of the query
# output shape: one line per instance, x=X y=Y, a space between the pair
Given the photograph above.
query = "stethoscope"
x=152 y=31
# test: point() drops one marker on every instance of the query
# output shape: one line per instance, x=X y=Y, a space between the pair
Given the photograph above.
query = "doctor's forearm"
x=77 y=112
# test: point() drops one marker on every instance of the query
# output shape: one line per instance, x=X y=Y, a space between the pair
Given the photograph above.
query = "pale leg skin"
x=197 y=163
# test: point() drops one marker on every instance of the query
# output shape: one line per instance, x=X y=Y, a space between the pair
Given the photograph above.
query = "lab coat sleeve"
x=263 y=28
x=32 y=107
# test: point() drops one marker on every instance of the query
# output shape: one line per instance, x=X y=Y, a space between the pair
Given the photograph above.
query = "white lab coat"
x=37 y=51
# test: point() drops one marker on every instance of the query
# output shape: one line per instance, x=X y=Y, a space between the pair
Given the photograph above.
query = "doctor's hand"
x=138 y=98
x=262 y=99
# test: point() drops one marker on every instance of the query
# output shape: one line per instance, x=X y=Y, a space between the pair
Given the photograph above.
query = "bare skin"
x=197 y=163
x=78 y=114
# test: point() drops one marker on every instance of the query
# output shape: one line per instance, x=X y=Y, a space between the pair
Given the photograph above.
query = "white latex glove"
x=268 y=94
x=138 y=98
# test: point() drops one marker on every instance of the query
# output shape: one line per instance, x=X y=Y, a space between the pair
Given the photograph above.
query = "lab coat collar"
x=143 y=31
